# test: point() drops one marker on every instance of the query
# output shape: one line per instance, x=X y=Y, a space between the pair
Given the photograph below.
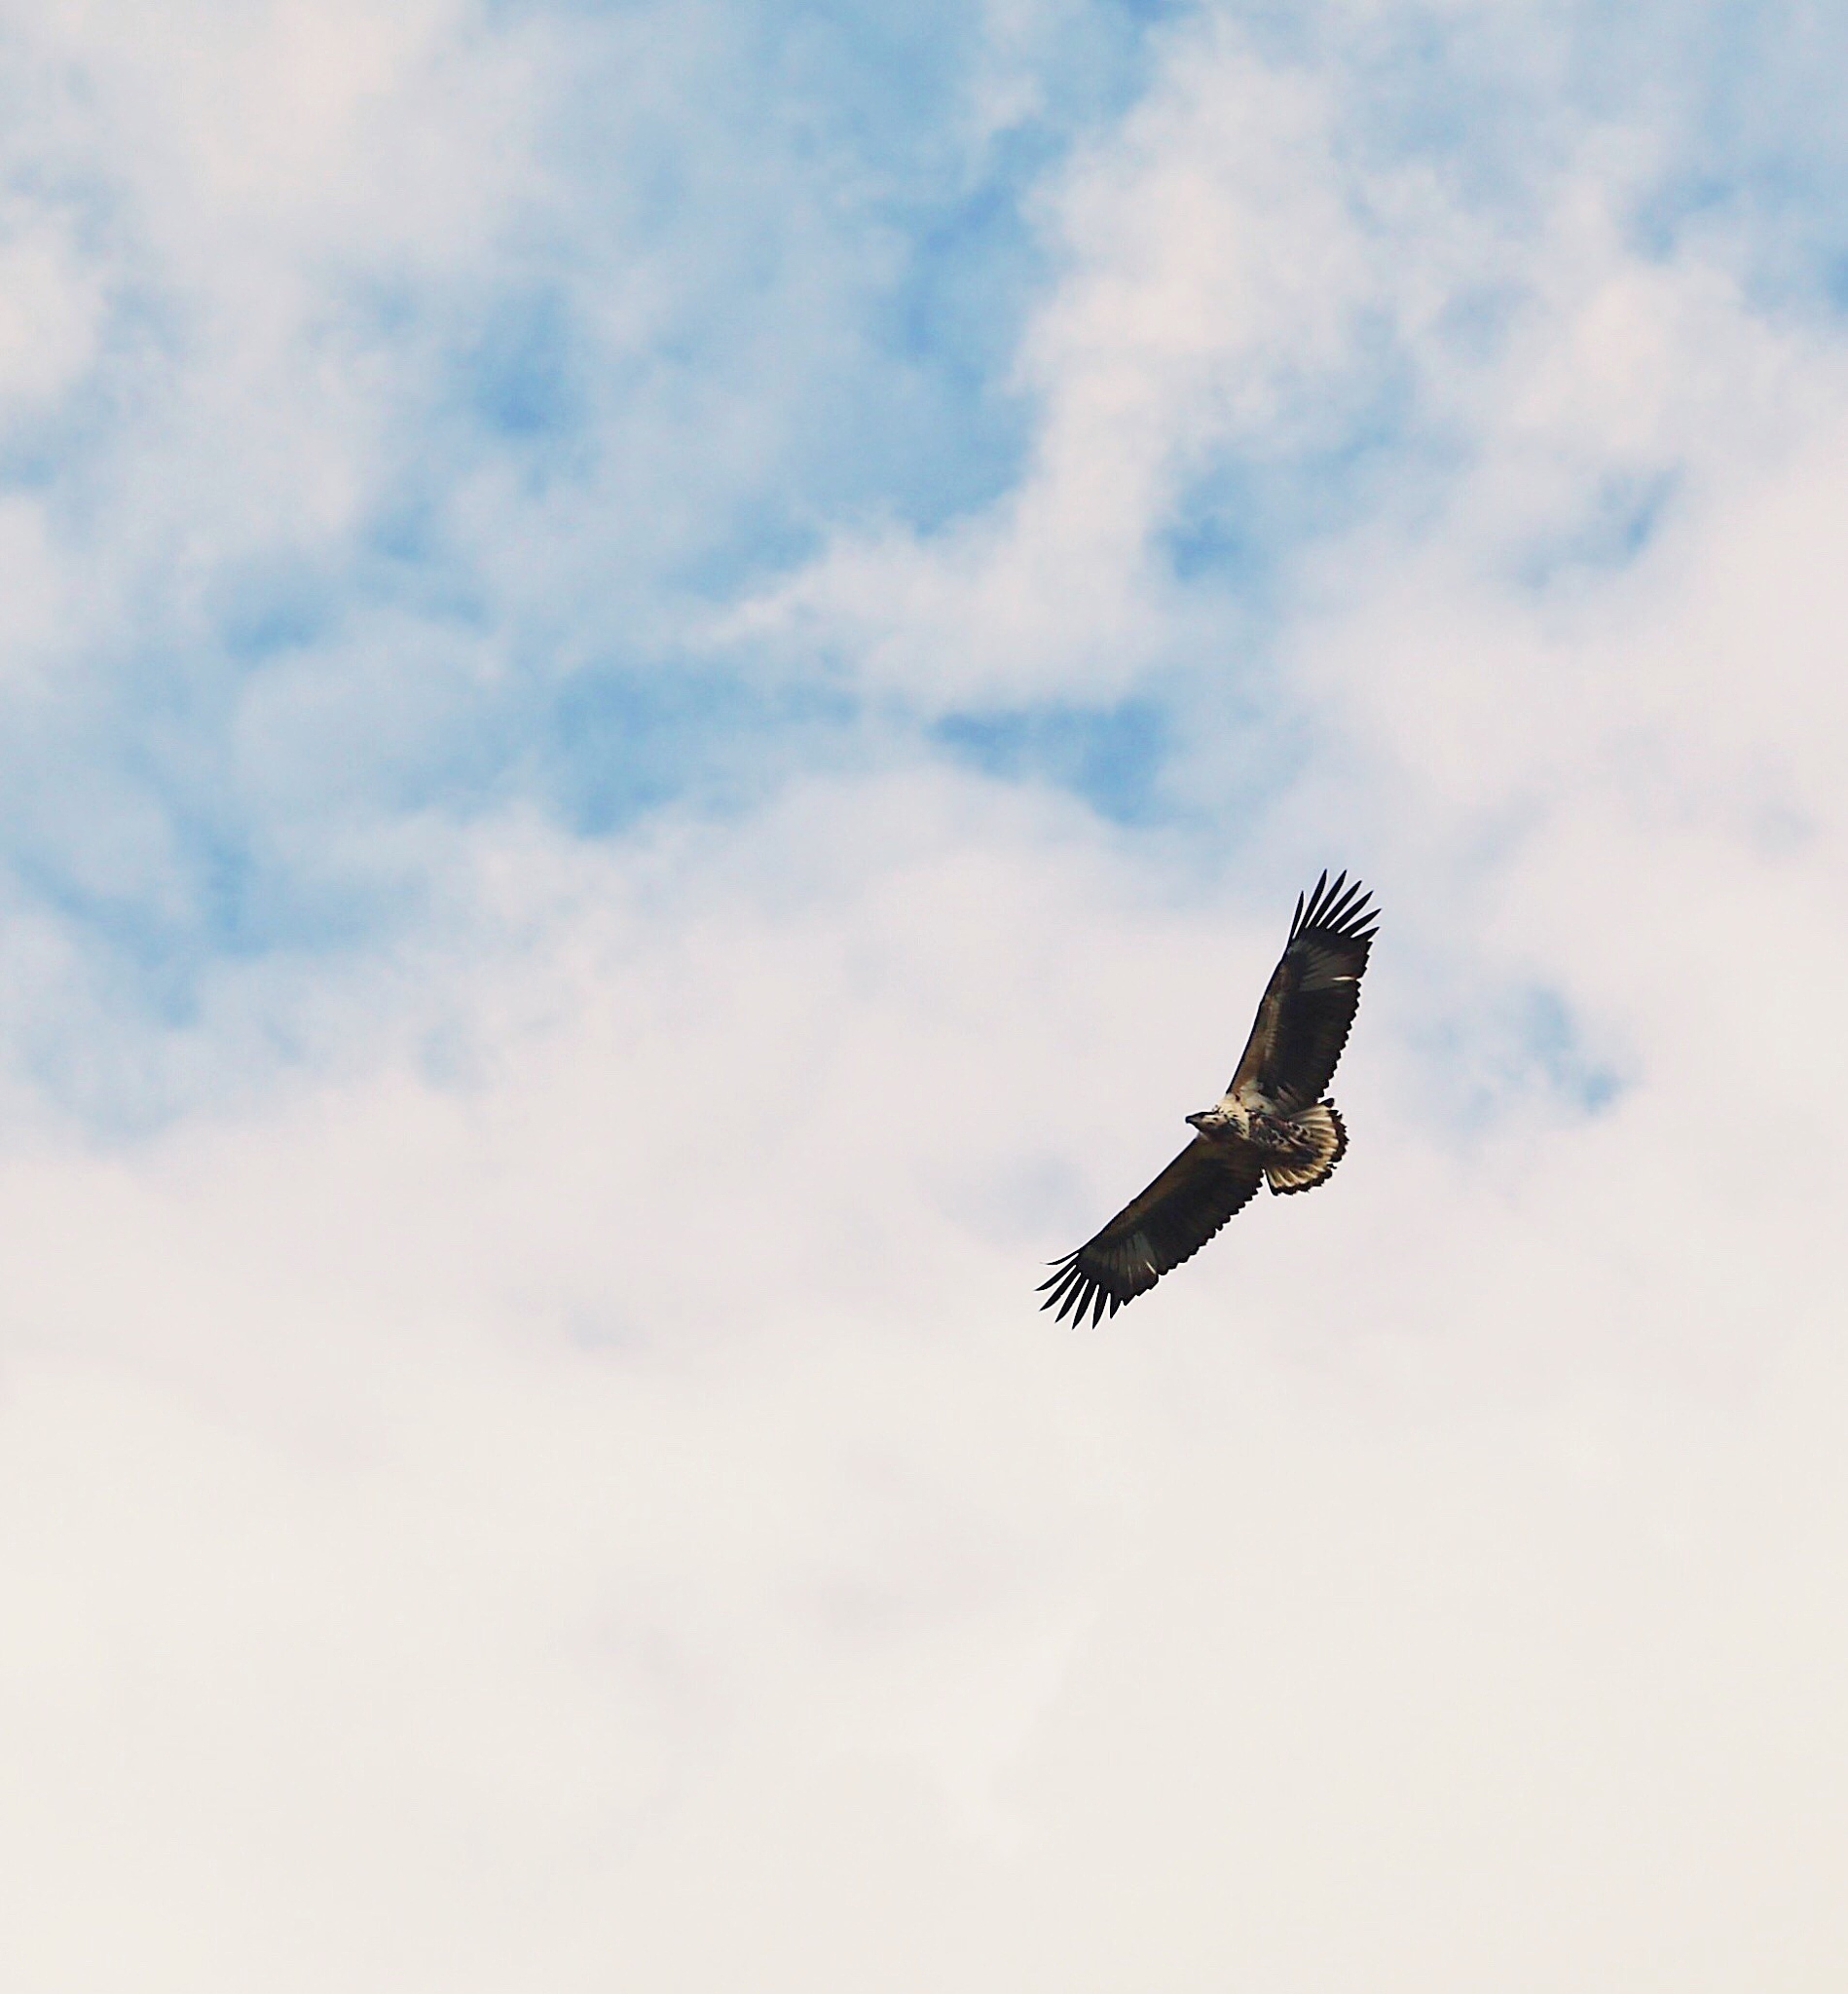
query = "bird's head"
x=1221 y=1119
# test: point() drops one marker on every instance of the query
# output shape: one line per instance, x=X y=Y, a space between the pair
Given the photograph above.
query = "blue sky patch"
x=759 y=279
x=522 y=378
x=1506 y=1053
x=617 y=744
x=1112 y=757
x=1620 y=520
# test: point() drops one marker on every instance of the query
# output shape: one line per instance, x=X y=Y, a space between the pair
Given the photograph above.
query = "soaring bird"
x=1273 y=1124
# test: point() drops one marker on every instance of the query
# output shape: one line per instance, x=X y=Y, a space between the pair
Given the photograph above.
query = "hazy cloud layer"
x=667 y=674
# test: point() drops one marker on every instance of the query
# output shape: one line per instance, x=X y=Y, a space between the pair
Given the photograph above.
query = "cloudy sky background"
x=665 y=675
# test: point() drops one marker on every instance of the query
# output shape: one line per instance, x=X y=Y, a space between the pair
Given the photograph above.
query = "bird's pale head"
x=1223 y=1118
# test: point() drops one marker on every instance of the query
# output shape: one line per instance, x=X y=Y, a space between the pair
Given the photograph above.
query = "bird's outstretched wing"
x=1311 y=998
x=1169 y=1223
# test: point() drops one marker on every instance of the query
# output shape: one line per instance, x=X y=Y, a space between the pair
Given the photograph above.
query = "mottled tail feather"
x=1325 y=1125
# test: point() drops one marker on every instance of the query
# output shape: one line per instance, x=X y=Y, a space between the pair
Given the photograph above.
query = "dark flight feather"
x=1168 y=1223
x=1309 y=1006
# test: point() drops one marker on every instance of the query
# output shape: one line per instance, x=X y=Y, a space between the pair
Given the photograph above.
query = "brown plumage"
x=1272 y=1123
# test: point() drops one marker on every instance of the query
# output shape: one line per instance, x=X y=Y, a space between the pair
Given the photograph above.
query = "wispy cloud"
x=664 y=675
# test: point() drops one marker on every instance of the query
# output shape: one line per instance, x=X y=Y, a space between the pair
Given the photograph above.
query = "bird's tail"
x=1329 y=1136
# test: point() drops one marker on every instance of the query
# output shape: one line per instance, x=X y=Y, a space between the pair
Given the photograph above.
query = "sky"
x=666 y=675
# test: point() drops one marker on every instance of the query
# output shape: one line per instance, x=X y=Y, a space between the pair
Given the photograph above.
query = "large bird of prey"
x=1273 y=1123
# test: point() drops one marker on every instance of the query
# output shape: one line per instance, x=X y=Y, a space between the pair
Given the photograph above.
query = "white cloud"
x=617 y=1505
x=549 y=1469
x=48 y=319
x=1214 y=274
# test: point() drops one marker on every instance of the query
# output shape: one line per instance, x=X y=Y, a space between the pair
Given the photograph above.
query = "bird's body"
x=1271 y=1126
